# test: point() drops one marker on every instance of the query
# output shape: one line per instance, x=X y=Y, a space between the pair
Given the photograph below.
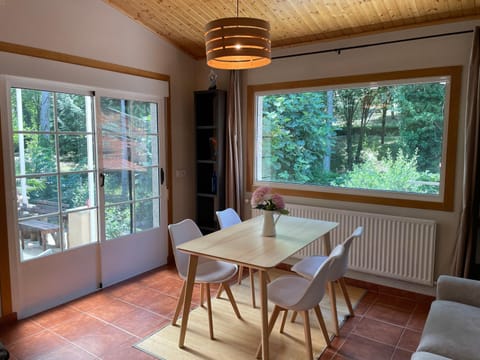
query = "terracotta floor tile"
x=113 y=311
x=141 y=322
x=142 y=297
x=169 y=286
x=397 y=302
x=126 y=351
x=340 y=357
x=400 y=354
x=56 y=316
x=359 y=348
x=349 y=325
x=409 y=340
x=379 y=331
x=123 y=289
x=327 y=355
x=17 y=331
x=91 y=301
x=388 y=314
x=67 y=352
x=37 y=345
x=163 y=305
x=101 y=340
x=365 y=303
x=418 y=317
x=78 y=327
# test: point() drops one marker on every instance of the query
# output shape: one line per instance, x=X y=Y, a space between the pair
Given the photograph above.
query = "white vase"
x=269 y=222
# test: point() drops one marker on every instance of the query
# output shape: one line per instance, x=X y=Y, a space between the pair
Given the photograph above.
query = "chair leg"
x=284 y=319
x=333 y=305
x=294 y=317
x=268 y=278
x=240 y=274
x=321 y=322
x=271 y=324
x=308 y=336
x=179 y=304
x=252 y=286
x=343 y=286
x=209 y=310
x=232 y=300
x=202 y=294
x=219 y=292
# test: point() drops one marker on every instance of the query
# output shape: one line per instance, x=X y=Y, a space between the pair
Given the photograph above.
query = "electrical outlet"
x=181 y=173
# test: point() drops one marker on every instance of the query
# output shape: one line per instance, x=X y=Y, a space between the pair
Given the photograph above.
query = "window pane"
x=39 y=237
x=32 y=110
x=147 y=215
x=78 y=190
x=80 y=228
x=76 y=152
x=37 y=196
x=146 y=151
x=118 y=221
x=73 y=113
x=117 y=187
x=34 y=154
x=146 y=183
x=385 y=138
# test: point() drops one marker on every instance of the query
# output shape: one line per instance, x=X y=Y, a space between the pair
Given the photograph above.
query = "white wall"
x=444 y=51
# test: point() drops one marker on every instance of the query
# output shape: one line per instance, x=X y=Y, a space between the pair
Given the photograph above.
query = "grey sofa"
x=452 y=329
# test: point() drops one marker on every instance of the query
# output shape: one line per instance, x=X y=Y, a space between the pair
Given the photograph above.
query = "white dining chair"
x=309 y=265
x=227 y=218
x=292 y=292
x=208 y=271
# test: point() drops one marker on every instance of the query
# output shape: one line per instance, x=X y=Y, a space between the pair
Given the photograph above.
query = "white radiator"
x=391 y=246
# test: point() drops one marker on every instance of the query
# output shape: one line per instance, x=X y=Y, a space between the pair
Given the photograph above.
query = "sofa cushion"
x=452 y=330
x=427 y=356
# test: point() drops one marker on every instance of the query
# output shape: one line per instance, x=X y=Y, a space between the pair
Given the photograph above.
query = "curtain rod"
x=340 y=49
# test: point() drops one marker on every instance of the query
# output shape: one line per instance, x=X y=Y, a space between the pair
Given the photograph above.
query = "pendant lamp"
x=237 y=43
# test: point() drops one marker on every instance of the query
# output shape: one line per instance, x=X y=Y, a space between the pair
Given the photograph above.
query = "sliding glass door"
x=88 y=177
x=131 y=181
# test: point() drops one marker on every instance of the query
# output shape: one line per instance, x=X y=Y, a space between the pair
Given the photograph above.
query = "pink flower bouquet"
x=264 y=199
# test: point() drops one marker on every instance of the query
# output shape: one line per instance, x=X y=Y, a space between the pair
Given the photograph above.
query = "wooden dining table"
x=244 y=244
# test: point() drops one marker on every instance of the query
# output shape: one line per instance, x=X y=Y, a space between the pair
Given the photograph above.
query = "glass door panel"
x=55 y=169
x=130 y=159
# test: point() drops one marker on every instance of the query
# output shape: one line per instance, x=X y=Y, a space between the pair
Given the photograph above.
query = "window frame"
x=444 y=201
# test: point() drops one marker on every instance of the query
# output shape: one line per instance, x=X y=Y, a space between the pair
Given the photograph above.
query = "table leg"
x=327 y=247
x=192 y=269
x=264 y=309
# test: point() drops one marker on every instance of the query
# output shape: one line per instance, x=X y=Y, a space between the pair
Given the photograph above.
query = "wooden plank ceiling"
x=292 y=22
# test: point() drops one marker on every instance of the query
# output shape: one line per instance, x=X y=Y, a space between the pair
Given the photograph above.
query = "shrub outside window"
x=385 y=138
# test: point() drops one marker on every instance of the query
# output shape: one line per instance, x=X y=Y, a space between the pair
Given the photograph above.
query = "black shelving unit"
x=210 y=156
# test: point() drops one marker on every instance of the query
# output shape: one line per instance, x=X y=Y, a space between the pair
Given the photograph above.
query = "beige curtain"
x=234 y=159
x=467 y=232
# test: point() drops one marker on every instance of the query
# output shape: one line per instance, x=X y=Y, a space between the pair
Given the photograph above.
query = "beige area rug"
x=239 y=339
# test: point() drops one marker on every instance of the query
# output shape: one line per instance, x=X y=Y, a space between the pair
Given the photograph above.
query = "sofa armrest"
x=465 y=291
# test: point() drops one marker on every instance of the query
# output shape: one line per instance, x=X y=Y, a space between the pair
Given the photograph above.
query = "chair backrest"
x=228 y=217
x=340 y=267
x=316 y=289
x=181 y=232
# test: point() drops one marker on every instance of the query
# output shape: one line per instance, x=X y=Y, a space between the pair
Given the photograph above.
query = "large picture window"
x=380 y=138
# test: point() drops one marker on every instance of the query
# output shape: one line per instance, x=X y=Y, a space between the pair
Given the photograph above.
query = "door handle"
x=162 y=176
x=102 y=179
